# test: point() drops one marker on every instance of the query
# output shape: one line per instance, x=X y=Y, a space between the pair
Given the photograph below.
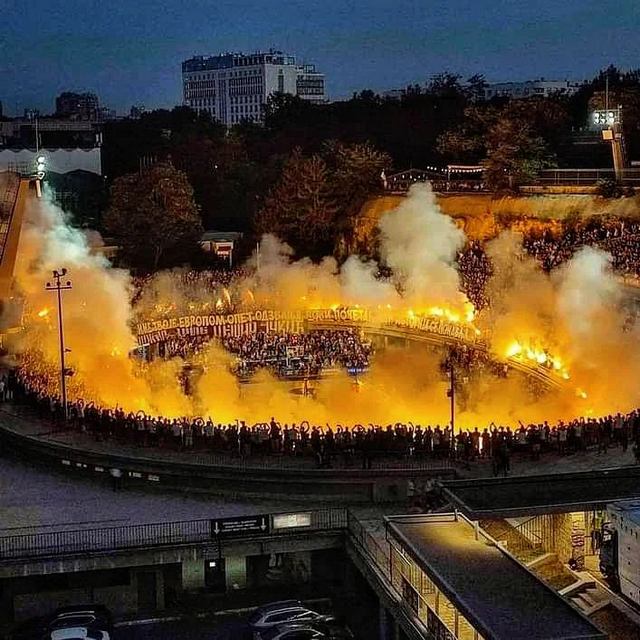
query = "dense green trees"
x=314 y=204
x=306 y=173
x=153 y=217
x=513 y=140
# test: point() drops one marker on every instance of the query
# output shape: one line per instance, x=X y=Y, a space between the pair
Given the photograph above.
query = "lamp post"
x=58 y=285
x=451 y=392
x=41 y=163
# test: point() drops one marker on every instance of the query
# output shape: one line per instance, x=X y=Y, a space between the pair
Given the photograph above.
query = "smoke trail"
x=420 y=245
x=574 y=313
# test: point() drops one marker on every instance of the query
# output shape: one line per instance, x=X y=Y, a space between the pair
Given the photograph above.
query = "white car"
x=78 y=633
x=286 y=612
x=77 y=626
x=290 y=632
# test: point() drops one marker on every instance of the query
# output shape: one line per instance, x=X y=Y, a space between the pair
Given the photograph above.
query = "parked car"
x=290 y=632
x=90 y=621
x=285 y=612
x=77 y=633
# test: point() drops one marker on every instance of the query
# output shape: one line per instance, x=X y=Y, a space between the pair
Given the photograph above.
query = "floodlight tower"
x=609 y=121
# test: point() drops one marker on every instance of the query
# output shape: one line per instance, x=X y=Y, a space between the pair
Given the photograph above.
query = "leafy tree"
x=445 y=84
x=514 y=155
x=466 y=143
x=356 y=175
x=475 y=86
x=301 y=208
x=152 y=214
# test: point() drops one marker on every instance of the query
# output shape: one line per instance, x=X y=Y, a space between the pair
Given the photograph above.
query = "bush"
x=608 y=188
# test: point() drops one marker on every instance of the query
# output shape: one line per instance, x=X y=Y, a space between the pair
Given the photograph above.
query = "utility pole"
x=452 y=393
x=59 y=286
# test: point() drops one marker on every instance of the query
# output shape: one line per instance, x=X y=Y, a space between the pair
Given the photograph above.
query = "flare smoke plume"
x=574 y=314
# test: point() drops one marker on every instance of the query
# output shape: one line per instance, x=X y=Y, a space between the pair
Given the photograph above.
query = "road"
x=193 y=629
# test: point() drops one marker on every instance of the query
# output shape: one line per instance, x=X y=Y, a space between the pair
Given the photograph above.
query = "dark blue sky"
x=129 y=51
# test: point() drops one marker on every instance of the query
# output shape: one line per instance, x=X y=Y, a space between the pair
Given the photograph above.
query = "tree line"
x=307 y=171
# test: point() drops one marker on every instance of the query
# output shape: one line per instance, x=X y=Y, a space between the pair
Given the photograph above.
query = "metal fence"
x=369 y=546
x=57 y=543
x=586 y=176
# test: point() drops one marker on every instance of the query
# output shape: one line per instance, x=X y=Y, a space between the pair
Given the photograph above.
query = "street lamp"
x=59 y=286
x=41 y=164
x=451 y=393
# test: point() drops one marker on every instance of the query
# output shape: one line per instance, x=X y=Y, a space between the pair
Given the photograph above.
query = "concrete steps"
x=587 y=594
x=516 y=543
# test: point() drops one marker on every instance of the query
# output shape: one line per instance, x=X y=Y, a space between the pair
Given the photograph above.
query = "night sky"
x=129 y=51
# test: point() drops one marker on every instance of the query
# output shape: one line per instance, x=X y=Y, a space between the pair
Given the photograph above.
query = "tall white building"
x=234 y=87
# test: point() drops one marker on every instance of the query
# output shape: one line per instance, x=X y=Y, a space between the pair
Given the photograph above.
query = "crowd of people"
x=299 y=354
x=345 y=444
x=307 y=354
x=616 y=236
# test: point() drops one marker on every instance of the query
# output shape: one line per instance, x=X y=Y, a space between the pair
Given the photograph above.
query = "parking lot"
x=189 y=629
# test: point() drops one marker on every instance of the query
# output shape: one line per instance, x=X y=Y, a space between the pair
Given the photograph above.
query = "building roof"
x=530 y=495
x=630 y=509
x=499 y=597
x=220 y=236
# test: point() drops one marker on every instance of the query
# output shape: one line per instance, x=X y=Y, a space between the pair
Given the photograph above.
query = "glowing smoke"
x=573 y=313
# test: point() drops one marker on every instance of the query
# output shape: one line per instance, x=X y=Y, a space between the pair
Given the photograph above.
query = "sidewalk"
x=551 y=462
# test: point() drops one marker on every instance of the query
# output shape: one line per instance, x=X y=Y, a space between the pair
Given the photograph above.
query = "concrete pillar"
x=385 y=624
x=562 y=525
x=160 y=604
x=235 y=572
x=192 y=574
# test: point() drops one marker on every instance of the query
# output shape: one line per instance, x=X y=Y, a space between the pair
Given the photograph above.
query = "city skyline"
x=128 y=58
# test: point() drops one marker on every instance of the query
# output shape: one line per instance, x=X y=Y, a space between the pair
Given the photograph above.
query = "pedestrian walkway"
x=32 y=499
x=551 y=463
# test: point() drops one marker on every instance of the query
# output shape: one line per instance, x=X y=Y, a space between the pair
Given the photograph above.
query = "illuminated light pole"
x=41 y=163
x=59 y=286
x=451 y=394
x=609 y=121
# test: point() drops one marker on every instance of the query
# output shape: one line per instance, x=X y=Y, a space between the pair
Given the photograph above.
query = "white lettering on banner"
x=269 y=320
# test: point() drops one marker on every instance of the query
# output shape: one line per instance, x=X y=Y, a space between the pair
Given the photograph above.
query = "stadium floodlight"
x=601 y=118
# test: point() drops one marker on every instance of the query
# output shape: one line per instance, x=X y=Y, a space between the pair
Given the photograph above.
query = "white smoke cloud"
x=420 y=245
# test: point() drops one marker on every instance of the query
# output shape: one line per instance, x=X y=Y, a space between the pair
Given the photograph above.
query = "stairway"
x=515 y=543
x=586 y=593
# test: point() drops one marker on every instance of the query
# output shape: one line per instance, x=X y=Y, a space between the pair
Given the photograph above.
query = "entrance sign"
x=241 y=526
